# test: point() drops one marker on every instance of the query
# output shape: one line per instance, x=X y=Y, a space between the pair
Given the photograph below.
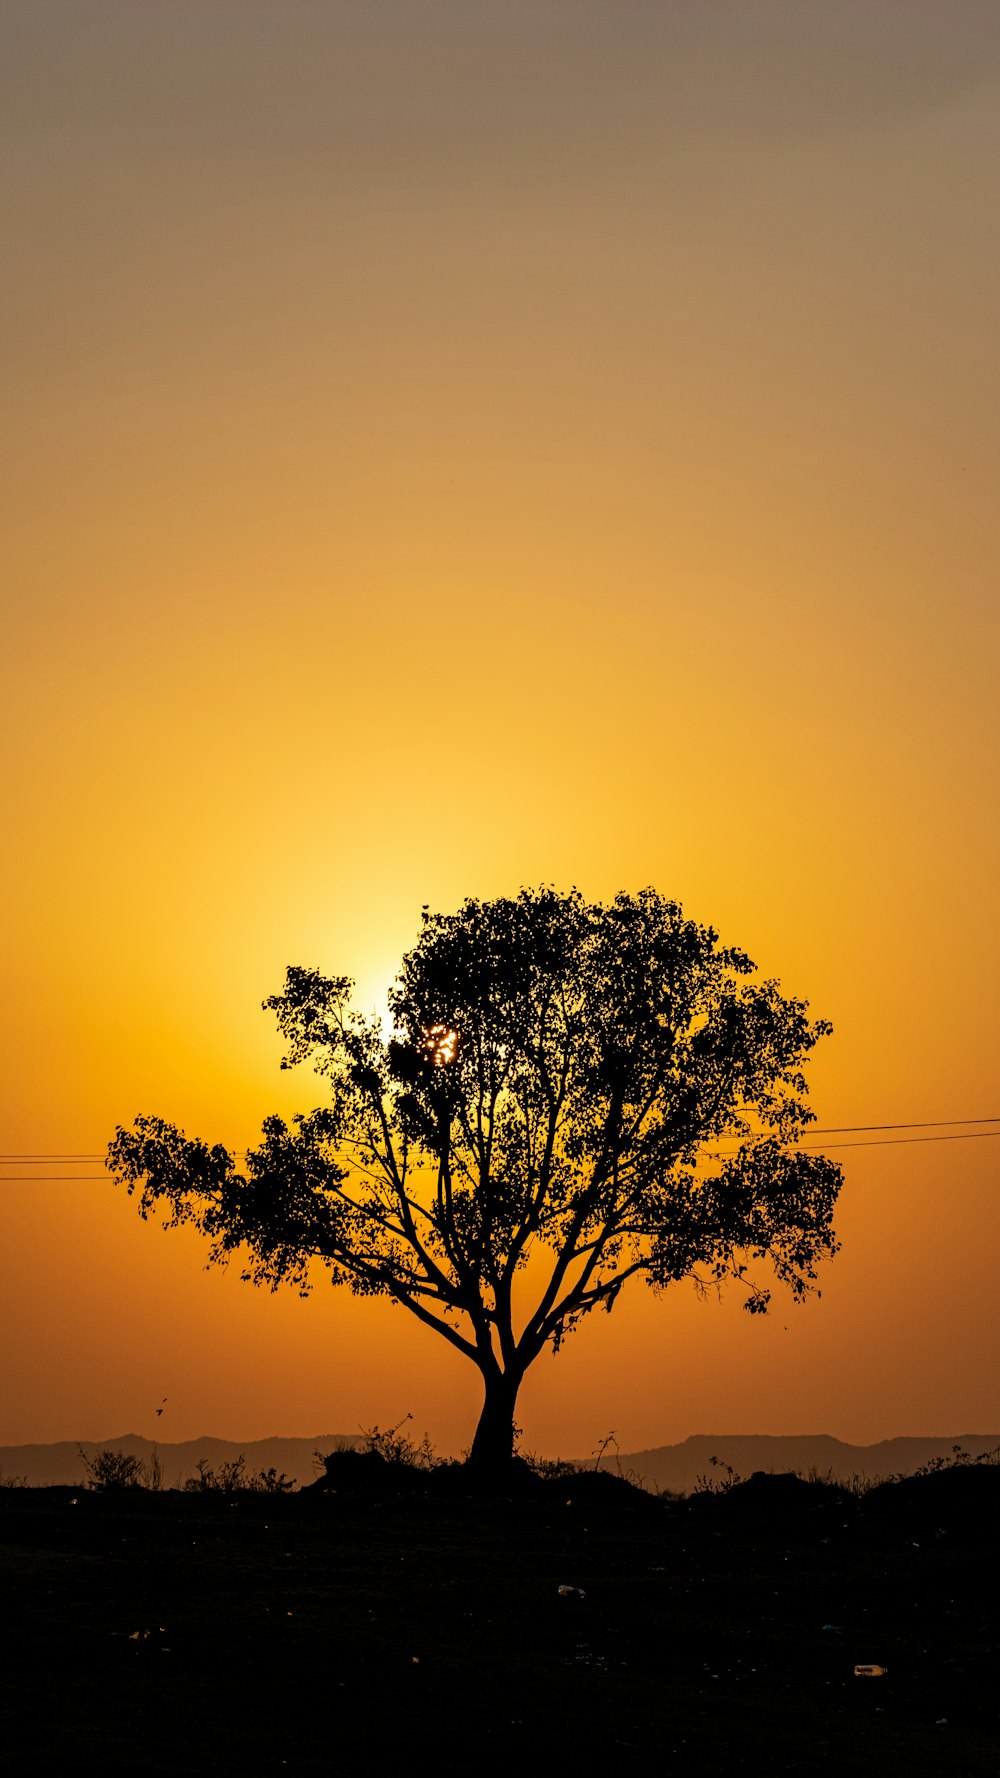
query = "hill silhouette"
x=678 y=1467
x=675 y=1468
x=60 y=1465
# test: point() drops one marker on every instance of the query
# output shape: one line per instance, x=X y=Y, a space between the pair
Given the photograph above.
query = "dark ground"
x=170 y=1633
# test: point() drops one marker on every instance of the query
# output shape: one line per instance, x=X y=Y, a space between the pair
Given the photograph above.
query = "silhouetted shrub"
x=723 y=1483
x=233 y=1478
x=395 y=1446
x=112 y=1470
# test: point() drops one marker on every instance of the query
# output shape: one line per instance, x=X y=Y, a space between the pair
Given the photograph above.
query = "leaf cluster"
x=604 y=1085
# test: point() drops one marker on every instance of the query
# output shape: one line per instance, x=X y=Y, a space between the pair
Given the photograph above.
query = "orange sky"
x=452 y=446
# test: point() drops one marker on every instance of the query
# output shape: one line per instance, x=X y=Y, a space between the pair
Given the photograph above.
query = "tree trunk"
x=493 y=1445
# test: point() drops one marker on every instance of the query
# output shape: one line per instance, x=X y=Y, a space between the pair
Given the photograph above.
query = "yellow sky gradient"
x=454 y=446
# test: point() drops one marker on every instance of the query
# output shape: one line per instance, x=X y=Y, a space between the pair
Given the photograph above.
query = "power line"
x=45 y=1160
x=885 y=1142
x=902 y=1141
x=39 y=1158
x=934 y=1123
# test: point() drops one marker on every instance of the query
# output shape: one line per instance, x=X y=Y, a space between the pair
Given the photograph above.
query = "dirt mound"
x=368 y=1475
x=962 y=1501
x=774 y=1503
x=365 y=1475
x=601 y=1488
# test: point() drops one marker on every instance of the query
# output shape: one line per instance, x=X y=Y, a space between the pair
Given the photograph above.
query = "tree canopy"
x=594 y=1092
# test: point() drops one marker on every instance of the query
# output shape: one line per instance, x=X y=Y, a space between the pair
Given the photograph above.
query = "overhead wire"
x=932 y=1123
x=41 y=1157
x=36 y=1159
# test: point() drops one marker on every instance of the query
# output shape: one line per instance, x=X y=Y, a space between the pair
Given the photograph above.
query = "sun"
x=440 y=1045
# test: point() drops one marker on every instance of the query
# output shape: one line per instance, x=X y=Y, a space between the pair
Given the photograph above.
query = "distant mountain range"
x=678 y=1467
x=48 y=1465
x=673 y=1467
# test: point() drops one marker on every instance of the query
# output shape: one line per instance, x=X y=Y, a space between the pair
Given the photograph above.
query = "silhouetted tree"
x=581 y=1093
